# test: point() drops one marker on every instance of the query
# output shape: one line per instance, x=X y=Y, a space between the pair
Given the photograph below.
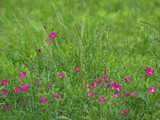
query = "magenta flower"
x=127 y=94
x=91 y=93
x=77 y=69
x=7 y=107
x=57 y=96
x=5 y=92
x=22 y=75
x=117 y=87
x=125 y=112
x=37 y=81
x=16 y=90
x=61 y=75
x=93 y=85
x=105 y=77
x=127 y=79
x=25 y=88
x=97 y=80
x=49 y=41
x=4 y=82
x=52 y=35
x=44 y=99
x=116 y=95
x=149 y=71
x=101 y=99
x=152 y=89
x=133 y=93
x=113 y=82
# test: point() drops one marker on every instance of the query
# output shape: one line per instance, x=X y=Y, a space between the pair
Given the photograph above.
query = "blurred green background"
x=125 y=17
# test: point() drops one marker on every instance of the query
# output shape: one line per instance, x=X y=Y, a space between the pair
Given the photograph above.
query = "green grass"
x=119 y=38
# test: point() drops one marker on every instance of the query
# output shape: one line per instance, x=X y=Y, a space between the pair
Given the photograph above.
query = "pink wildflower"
x=116 y=95
x=149 y=71
x=7 y=107
x=127 y=79
x=25 y=88
x=117 y=87
x=49 y=41
x=77 y=69
x=4 y=82
x=101 y=99
x=133 y=93
x=125 y=112
x=57 y=96
x=152 y=89
x=61 y=75
x=15 y=90
x=105 y=77
x=22 y=75
x=127 y=94
x=52 y=35
x=43 y=99
x=37 y=81
x=91 y=93
x=5 y=92
x=97 y=80
x=93 y=85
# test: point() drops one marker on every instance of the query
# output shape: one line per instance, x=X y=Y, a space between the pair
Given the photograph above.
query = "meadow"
x=80 y=60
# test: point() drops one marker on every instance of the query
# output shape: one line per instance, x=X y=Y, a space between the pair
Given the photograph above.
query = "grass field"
x=80 y=60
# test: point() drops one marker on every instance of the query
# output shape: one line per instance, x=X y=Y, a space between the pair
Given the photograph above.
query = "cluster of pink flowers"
x=51 y=35
x=113 y=86
x=150 y=71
